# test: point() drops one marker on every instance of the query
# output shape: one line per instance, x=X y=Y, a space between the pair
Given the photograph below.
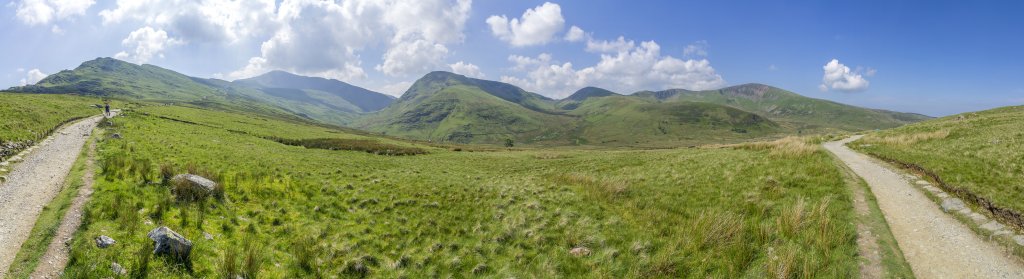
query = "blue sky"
x=932 y=57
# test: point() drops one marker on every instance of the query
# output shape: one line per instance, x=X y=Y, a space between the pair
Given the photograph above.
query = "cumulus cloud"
x=840 y=77
x=537 y=26
x=696 y=49
x=466 y=69
x=626 y=68
x=206 y=21
x=413 y=57
x=32 y=77
x=325 y=38
x=394 y=89
x=575 y=34
x=146 y=43
x=38 y=12
x=619 y=45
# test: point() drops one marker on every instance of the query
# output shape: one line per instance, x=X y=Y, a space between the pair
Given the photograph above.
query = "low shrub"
x=368 y=146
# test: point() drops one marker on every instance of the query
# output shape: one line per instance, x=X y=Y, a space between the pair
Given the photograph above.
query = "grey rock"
x=171 y=244
x=208 y=236
x=953 y=204
x=118 y=269
x=580 y=251
x=116 y=136
x=1019 y=239
x=993 y=226
x=978 y=218
x=195 y=181
x=104 y=241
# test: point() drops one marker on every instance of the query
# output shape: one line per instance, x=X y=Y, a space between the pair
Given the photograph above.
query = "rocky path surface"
x=33 y=182
x=934 y=243
x=51 y=264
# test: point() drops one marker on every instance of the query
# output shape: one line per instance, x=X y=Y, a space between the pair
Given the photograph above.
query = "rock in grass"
x=118 y=269
x=580 y=251
x=953 y=204
x=195 y=181
x=104 y=241
x=171 y=244
x=116 y=136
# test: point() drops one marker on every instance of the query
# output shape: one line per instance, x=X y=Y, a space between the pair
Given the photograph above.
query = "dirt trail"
x=934 y=243
x=33 y=182
x=51 y=264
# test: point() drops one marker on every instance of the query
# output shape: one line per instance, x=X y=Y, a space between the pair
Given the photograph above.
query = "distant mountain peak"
x=589 y=92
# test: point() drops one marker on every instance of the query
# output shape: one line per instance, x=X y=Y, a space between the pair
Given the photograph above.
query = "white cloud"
x=630 y=68
x=696 y=49
x=466 y=69
x=326 y=38
x=38 y=12
x=840 y=77
x=618 y=45
x=394 y=89
x=57 y=30
x=575 y=34
x=537 y=26
x=418 y=56
x=146 y=43
x=32 y=77
x=206 y=21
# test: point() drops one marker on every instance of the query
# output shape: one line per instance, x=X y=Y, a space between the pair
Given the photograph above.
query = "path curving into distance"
x=34 y=182
x=934 y=243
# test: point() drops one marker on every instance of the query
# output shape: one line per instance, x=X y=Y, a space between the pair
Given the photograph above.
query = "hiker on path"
x=107 y=109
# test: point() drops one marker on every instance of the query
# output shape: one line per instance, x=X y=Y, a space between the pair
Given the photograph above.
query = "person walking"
x=106 y=110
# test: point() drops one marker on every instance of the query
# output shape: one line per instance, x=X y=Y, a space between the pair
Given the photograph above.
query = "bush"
x=368 y=146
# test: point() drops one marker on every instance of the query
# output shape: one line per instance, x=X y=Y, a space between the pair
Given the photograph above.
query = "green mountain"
x=581 y=95
x=790 y=109
x=626 y=120
x=275 y=93
x=444 y=106
x=334 y=93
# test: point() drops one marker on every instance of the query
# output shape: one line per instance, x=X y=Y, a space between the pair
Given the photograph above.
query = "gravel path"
x=51 y=264
x=33 y=182
x=934 y=243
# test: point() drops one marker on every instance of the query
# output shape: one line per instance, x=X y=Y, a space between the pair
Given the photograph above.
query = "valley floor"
x=934 y=243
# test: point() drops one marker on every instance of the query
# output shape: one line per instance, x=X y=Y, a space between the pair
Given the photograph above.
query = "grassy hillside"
x=448 y=107
x=26 y=118
x=794 y=111
x=624 y=121
x=114 y=78
x=574 y=100
x=332 y=93
x=979 y=155
x=770 y=210
x=464 y=114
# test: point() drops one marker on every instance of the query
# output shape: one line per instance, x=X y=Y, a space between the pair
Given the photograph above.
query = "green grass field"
x=981 y=153
x=770 y=210
x=26 y=118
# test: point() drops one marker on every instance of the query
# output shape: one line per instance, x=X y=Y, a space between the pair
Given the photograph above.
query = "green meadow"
x=777 y=209
x=979 y=152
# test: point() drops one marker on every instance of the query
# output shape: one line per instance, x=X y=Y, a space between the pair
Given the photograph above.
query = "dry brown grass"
x=788 y=146
x=906 y=139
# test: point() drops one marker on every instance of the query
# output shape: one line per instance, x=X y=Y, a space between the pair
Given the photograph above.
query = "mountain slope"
x=448 y=107
x=312 y=89
x=443 y=106
x=323 y=100
x=583 y=94
x=790 y=109
x=625 y=120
